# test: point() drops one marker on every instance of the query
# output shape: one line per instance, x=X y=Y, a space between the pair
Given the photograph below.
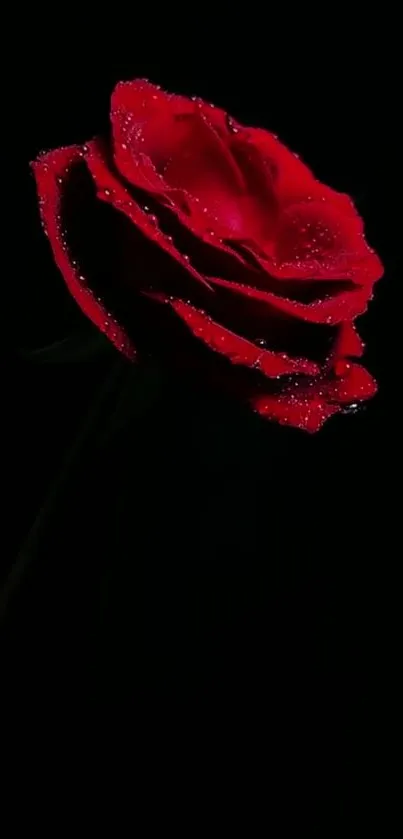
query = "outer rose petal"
x=309 y=407
x=52 y=172
x=344 y=306
x=352 y=383
x=307 y=414
x=238 y=349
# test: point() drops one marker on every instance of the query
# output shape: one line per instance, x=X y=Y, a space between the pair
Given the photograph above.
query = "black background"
x=201 y=558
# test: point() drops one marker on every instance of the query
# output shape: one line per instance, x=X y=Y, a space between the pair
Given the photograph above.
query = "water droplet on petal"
x=232 y=126
x=354 y=408
x=341 y=367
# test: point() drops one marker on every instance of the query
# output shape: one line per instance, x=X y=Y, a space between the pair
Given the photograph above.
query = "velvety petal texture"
x=213 y=246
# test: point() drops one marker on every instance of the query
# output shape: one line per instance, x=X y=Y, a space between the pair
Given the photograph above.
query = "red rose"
x=188 y=234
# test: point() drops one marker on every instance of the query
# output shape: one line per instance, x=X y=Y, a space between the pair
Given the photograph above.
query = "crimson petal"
x=344 y=306
x=238 y=349
x=353 y=383
x=294 y=181
x=113 y=192
x=348 y=343
x=316 y=239
x=309 y=407
x=309 y=414
x=53 y=171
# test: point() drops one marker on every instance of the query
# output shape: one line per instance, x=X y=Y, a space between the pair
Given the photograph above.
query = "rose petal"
x=238 y=349
x=113 y=192
x=348 y=343
x=352 y=383
x=168 y=145
x=184 y=150
x=143 y=124
x=52 y=173
x=309 y=407
x=308 y=414
x=316 y=239
x=344 y=306
x=259 y=180
x=294 y=181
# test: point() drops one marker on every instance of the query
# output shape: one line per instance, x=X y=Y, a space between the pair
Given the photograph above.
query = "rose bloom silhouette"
x=211 y=245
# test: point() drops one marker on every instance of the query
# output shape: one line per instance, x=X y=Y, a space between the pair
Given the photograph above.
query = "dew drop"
x=232 y=126
x=353 y=408
x=262 y=342
x=341 y=367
